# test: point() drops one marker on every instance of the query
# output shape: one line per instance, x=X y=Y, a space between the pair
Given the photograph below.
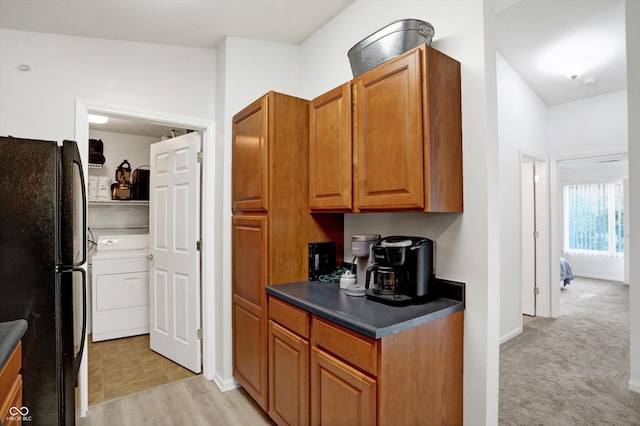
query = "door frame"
x=528 y=227
x=543 y=219
x=207 y=217
x=557 y=218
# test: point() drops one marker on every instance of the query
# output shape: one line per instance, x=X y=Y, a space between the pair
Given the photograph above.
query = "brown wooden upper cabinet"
x=250 y=178
x=330 y=175
x=401 y=122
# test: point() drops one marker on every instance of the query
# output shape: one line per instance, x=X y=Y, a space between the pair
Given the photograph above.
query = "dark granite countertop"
x=10 y=334
x=372 y=319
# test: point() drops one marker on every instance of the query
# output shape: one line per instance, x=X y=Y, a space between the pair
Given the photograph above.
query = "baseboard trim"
x=511 y=335
x=634 y=386
x=600 y=277
x=225 y=384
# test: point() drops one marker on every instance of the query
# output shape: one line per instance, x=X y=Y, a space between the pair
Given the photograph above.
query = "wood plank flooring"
x=193 y=401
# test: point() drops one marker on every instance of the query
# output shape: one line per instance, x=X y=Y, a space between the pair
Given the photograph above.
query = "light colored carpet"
x=573 y=370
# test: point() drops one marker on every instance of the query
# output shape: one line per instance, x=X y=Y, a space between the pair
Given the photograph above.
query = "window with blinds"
x=594 y=219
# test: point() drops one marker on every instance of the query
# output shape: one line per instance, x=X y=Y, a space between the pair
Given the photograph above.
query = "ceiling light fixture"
x=574 y=55
x=98 y=119
x=24 y=68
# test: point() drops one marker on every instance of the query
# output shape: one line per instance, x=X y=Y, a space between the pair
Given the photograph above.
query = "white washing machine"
x=120 y=287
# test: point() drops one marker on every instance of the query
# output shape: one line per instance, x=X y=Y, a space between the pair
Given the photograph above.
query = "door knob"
x=150 y=257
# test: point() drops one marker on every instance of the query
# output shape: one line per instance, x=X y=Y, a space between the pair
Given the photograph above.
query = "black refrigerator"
x=42 y=250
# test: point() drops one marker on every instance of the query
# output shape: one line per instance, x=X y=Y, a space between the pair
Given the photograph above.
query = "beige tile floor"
x=123 y=366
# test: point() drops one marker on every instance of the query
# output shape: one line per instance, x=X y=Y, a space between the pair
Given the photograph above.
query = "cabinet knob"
x=150 y=257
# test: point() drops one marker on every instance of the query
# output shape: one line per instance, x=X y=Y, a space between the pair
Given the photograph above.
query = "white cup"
x=347 y=279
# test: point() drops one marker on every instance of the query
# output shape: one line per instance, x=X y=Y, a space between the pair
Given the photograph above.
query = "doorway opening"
x=603 y=177
x=165 y=127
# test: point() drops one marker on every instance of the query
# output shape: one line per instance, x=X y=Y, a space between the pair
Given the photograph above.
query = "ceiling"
x=546 y=41
x=195 y=23
x=528 y=29
x=525 y=29
x=191 y=23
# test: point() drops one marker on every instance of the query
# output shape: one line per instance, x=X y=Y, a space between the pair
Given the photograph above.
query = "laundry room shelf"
x=118 y=202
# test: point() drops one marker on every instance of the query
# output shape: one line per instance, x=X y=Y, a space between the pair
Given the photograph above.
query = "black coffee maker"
x=403 y=271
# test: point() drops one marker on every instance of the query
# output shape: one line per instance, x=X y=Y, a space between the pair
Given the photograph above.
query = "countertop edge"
x=11 y=333
x=369 y=330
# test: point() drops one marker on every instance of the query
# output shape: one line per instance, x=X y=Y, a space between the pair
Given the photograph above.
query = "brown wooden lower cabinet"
x=288 y=377
x=11 y=388
x=340 y=394
x=321 y=373
x=249 y=358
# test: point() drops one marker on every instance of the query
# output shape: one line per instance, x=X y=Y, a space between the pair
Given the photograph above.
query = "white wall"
x=592 y=126
x=589 y=126
x=600 y=267
x=41 y=104
x=522 y=124
x=633 y=96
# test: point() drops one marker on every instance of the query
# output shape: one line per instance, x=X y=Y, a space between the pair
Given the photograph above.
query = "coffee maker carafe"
x=403 y=270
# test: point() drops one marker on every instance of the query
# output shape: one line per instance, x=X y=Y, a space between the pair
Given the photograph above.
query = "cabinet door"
x=249 y=256
x=13 y=399
x=11 y=387
x=340 y=394
x=250 y=157
x=330 y=150
x=288 y=377
x=388 y=135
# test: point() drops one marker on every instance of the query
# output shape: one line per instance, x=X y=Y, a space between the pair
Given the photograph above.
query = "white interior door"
x=528 y=259
x=174 y=232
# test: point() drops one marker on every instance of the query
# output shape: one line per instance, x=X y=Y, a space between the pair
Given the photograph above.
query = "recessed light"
x=24 y=68
x=98 y=119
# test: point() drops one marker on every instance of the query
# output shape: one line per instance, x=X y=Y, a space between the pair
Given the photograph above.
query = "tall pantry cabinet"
x=271 y=224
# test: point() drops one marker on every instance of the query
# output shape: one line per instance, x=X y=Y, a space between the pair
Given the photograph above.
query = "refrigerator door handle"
x=73 y=206
x=78 y=358
x=78 y=162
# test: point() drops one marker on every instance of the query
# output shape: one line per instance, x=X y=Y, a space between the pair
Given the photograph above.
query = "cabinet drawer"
x=289 y=316
x=359 y=350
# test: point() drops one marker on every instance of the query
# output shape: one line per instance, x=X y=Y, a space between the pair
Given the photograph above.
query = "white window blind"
x=594 y=219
